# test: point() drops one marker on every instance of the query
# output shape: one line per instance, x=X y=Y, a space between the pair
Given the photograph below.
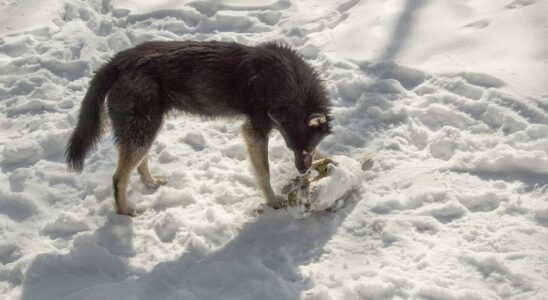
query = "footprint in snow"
x=481 y=24
x=520 y=3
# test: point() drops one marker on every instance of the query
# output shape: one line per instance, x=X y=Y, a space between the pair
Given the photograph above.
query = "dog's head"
x=298 y=103
x=301 y=132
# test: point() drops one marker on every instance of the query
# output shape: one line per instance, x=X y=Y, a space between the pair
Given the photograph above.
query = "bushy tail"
x=90 y=126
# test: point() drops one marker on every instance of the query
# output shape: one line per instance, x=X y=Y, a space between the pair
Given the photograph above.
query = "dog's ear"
x=278 y=115
x=317 y=119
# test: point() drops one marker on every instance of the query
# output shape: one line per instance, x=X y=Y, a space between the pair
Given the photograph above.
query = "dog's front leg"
x=257 y=147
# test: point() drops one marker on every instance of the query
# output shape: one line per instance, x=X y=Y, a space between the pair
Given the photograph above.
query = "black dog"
x=270 y=85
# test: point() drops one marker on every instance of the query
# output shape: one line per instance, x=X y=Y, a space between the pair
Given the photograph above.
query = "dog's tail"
x=90 y=126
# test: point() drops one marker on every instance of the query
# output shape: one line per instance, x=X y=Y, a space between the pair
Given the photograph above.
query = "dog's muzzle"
x=303 y=160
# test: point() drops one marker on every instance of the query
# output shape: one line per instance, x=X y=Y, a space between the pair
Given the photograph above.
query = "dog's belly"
x=205 y=106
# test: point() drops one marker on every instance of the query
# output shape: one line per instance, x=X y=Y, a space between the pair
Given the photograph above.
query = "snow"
x=501 y=39
x=449 y=97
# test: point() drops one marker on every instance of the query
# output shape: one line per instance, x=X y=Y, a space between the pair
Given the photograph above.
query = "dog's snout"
x=303 y=160
x=301 y=166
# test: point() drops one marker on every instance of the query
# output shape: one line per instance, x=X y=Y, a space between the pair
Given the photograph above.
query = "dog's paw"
x=278 y=202
x=157 y=182
x=131 y=212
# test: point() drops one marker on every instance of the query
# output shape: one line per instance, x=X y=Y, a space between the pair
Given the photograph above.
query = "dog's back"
x=218 y=78
x=195 y=77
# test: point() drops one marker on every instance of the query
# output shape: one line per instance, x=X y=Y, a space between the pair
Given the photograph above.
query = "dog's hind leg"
x=136 y=113
x=128 y=159
x=147 y=178
x=257 y=147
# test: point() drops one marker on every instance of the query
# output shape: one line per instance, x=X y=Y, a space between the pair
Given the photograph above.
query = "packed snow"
x=449 y=98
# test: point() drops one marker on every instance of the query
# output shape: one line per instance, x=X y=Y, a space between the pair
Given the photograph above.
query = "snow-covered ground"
x=450 y=98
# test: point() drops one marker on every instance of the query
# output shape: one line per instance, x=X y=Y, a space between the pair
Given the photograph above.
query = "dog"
x=270 y=85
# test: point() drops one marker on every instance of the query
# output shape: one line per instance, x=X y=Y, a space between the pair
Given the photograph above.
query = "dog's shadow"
x=263 y=261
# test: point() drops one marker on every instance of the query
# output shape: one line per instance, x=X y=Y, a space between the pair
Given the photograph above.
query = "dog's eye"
x=278 y=115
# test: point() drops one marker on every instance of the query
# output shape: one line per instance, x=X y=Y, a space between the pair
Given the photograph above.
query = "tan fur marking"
x=146 y=176
x=143 y=170
x=258 y=154
x=127 y=161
